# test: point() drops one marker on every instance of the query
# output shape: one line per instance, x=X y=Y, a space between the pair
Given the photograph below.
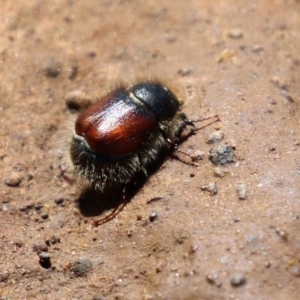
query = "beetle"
x=125 y=133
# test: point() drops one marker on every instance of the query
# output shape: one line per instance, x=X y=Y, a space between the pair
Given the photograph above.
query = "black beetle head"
x=158 y=98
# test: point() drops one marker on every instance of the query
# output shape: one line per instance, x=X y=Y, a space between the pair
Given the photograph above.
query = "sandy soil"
x=238 y=59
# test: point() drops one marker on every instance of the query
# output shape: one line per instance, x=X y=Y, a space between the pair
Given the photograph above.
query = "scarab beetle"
x=125 y=133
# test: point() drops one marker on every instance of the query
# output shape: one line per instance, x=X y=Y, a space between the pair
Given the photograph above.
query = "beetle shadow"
x=93 y=202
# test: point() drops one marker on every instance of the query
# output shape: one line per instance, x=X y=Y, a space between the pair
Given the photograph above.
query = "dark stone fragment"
x=81 y=267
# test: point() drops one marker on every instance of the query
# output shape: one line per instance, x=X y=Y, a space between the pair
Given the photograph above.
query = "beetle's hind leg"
x=120 y=206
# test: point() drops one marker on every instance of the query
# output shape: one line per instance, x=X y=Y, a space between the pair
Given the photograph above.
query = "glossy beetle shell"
x=125 y=133
x=116 y=125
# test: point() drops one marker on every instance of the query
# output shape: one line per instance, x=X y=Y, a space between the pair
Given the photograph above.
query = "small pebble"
x=225 y=55
x=295 y=270
x=218 y=172
x=210 y=187
x=267 y=264
x=181 y=239
x=19 y=243
x=38 y=206
x=213 y=279
x=235 y=34
x=238 y=280
x=271 y=100
x=153 y=216
x=194 y=248
x=72 y=72
x=77 y=100
x=59 y=201
x=44 y=216
x=278 y=82
x=214 y=137
x=188 y=273
x=54 y=240
x=39 y=247
x=221 y=155
x=52 y=68
x=81 y=267
x=45 y=260
x=280 y=232
x=283 y=86
x=185 y=71
x=29 y=177
x=242 y=190
x=4 y=277
x=14 y=179
x=26 y=208
x=257 y=48
x=5 y=206
x=160 y=265
x=287 y=95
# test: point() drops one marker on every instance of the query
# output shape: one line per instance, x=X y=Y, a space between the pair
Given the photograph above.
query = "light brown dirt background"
x=255 y=89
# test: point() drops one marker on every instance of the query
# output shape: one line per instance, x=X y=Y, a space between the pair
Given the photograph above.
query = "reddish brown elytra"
x=116 y=126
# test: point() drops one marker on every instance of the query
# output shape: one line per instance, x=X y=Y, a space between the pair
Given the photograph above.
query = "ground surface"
x=237 y=59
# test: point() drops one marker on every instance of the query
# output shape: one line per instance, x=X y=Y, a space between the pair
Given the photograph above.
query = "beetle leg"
x=115 y=211
x=191 y=122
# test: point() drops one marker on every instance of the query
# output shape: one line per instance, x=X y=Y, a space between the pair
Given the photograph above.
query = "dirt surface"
x=214 y=232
